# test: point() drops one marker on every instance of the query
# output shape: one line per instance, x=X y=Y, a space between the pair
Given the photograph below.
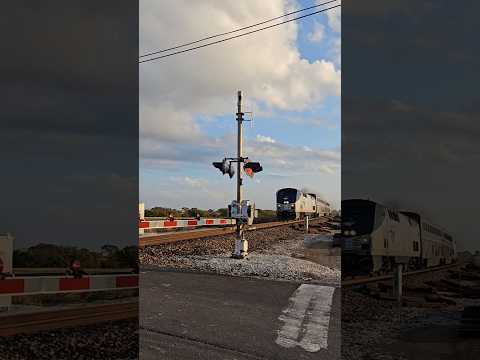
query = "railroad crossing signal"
x=225 y=167
x=76 y=269
x=252 y=167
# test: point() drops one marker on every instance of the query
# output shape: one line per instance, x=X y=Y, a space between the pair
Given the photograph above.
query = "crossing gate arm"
x=181 y=223
x=36 y=285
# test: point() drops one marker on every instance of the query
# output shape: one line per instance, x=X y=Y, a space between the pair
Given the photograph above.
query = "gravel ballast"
x=116 y=340
x=273 y=254
x=376 y=328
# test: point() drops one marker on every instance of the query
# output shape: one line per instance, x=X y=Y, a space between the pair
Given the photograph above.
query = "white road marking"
x=307 y=317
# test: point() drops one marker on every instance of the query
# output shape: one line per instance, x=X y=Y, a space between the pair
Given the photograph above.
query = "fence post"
x=398 y=283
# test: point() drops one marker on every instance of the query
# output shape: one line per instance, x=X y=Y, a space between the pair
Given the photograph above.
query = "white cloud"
x=197 y=183
x=277 y=157
x=266 y=139
x=329 y=169
x=267 y=65
x=163 y=122
x=334 y=17
x=178 y=90
x=317 y=34
x=336 y=50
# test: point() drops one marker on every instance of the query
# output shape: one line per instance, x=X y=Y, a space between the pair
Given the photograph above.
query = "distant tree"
x=266 y=214
x=192 y=212
x=109 y=250
x=148 y=213
x=48 y=255
x=222 y=212
x=128 y=257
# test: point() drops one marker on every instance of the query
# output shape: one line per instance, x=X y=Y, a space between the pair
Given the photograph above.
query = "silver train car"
x=375 y=238
x=295 y=204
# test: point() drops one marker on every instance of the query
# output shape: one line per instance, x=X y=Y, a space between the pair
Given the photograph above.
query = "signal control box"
x=244 y=212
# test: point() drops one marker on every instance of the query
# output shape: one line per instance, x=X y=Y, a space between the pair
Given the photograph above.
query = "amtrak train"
x=375 y=238
x=295 y=204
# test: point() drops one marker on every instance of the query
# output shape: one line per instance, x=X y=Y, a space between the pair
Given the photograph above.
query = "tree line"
x=53 y=256
x=193 y=212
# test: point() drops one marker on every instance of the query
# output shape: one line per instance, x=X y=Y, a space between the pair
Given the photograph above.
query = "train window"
x=414 y=246
x=385 y=243
x=393 y=215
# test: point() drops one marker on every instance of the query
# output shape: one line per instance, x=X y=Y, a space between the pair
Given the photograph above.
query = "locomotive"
x=296 y=204
x=375 y=238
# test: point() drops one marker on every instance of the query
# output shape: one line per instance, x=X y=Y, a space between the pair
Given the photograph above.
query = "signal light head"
x=251 y=168
x=225 y=167
x=231 y=170
x=75 y=265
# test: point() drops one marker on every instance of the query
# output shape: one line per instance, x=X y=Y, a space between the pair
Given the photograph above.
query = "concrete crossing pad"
x=204 y=316
x=307 y=318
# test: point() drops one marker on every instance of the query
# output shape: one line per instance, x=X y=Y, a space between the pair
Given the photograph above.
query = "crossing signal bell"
x=251 y=168
x=225 y=167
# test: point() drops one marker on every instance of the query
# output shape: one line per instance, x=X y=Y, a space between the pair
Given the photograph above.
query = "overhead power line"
x=236 y=36
x=237 y=30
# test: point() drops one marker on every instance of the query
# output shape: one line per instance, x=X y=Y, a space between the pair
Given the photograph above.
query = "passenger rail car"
x=375 y=238
x=295 y=204
x=323 y=208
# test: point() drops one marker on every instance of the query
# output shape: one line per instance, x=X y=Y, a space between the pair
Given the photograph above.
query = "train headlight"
x=353 y=232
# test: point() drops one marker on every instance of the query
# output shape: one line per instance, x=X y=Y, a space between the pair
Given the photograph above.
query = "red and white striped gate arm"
x=33 y=285
x=180 y=223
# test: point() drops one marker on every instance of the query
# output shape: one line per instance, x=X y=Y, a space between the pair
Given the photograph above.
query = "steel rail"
x=167 y=238
x=21 y=271
x=354 y=282
x=23 y=323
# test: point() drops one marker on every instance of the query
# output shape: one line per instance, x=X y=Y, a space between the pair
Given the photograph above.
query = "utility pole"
x=241 y=245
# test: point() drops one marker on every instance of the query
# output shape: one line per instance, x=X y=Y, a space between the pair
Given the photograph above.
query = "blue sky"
x=291 y=81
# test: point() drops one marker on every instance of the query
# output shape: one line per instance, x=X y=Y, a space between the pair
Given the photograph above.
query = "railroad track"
x=167 y=238
x=61 y=271
x=362 y=281
x=24 y=323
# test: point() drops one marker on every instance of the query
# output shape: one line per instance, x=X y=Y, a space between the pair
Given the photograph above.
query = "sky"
x=290 y=78
x=410 y=110
x=69 y=129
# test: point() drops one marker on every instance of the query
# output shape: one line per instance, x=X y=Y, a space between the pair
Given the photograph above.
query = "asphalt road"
x=204 y=316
